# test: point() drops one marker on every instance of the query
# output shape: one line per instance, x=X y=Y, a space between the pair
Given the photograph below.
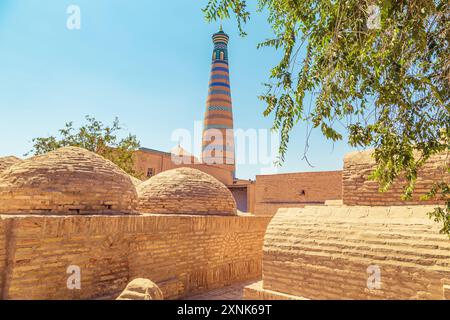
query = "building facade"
x=149 y=162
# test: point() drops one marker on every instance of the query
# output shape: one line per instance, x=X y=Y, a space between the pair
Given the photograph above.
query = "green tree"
x=386 y=84
x=96 y=137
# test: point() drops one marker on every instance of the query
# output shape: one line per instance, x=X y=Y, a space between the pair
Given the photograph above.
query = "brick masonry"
x=296 y=190
x=69 y=180
x=255 y=291
x=6 y=162
x=358 y=190
x=183 y=255
x=323 y=252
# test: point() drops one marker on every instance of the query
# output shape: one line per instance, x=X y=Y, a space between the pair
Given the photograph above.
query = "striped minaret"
x=218 y=136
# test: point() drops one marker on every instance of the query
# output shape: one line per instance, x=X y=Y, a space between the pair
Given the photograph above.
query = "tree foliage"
x=96 y=137
x=386 y=85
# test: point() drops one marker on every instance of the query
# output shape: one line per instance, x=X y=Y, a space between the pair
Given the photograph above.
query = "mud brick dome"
x=185 y=191
x=6 y=162
x=135 y=181
x=67 y=181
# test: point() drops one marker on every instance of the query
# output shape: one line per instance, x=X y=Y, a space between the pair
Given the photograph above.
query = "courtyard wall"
x=359 y=190
x=354 y=252
x=181 y=254
x=296 y=190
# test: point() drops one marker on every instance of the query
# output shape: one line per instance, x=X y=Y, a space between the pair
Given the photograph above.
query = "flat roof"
x=154 y=151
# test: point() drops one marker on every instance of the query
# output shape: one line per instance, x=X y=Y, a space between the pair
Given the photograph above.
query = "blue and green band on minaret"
x=220 y=40
x=219 y=114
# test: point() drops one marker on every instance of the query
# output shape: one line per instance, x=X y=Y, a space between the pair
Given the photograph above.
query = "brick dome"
x=6 y=162
x=66 y=181
x=135 y=181
x=185 y=191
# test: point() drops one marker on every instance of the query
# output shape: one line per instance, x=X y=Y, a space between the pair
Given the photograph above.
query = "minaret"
x=218 y=136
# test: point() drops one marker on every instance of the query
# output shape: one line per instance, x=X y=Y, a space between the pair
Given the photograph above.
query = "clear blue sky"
x=146 y=62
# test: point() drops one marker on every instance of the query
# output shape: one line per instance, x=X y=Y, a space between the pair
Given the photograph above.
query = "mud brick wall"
x=296 y=190
x=182 y=254
x=321 y=252
x=3 y=229
x=358 y=190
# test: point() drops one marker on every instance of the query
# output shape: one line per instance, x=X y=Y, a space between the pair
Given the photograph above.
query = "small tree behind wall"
x=96 y=137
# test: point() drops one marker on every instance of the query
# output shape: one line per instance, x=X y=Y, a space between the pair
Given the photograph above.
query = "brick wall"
x=182 y=254
x=358 y=190
x=2 y=254
x=286 y=190
x=322 y=252
x=162 y=161
x=251 y=189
